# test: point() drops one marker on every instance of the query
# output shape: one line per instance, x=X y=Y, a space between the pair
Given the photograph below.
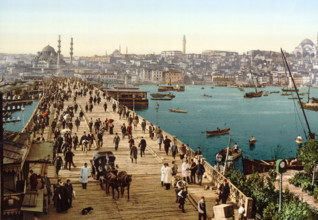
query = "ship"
x=177 y=88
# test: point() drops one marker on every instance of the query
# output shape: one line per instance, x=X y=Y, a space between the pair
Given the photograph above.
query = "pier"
x=148 y=200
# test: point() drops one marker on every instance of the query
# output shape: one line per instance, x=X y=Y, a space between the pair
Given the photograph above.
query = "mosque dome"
x=48 y=48
x=307 y=42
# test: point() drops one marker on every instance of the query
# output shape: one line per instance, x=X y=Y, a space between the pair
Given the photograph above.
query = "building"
x=171 y=53
x=156 y=76
x=306 y=48
x=173 y=77
x=47 y=58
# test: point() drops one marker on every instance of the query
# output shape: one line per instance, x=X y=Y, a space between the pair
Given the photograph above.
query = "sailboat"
x=253 y=94
x=311 y=135
x=310 y=106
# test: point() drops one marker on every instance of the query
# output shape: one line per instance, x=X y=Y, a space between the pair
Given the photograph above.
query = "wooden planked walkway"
x=148 y=200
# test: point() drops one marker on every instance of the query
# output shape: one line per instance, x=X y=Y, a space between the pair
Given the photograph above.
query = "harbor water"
x=274 y=120
x=23 y=115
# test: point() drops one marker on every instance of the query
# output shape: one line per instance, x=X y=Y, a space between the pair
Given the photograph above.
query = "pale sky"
x=149 y=26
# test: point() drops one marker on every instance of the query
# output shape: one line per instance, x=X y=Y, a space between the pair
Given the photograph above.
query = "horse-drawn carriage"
x=104 y=170
x=100 y=161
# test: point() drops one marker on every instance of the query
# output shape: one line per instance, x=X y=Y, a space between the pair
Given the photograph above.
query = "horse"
x=124 y=181
x=111 y=180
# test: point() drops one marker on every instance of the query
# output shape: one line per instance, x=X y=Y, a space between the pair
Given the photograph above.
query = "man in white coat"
x=162 y=173
x=185 y=171
x=167 y=176
x=84 y=175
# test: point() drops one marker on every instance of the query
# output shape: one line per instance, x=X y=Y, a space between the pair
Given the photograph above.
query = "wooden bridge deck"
x=148 y=200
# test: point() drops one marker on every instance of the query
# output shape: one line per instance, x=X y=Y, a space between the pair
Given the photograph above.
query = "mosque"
x=50 y=60
x=306 y=49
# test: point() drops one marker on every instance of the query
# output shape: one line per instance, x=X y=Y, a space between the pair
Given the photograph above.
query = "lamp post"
x=157 y=108
x=281 y=167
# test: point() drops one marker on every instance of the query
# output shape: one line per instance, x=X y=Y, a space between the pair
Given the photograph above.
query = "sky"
x=149 y=26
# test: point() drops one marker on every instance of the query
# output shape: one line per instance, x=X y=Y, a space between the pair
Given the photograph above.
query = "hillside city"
x=220 y=68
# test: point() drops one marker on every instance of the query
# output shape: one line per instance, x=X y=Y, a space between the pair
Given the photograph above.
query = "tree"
x=308 y=155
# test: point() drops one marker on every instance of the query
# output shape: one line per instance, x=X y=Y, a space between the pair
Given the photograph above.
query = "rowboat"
x=252 y=141
x=275 y=92
x=218 y=132
x=235 y=154
x=251 y=165
x=206 y=96
x=177 y=110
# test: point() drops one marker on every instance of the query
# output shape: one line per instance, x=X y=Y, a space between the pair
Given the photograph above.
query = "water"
x=273 y=120
x=18 y=126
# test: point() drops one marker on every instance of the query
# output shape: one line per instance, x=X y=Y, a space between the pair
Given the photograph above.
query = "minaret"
x=126 y=50
x=59 y=52
x=184 y=45
x=119 y=48
x=71 y=53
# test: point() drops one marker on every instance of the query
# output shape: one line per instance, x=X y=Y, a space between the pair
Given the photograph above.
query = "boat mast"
x=301 y=104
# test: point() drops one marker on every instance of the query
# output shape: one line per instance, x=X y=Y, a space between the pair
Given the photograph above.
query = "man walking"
x=133 y=153
x=202 y=208
x=166 y=143
x=142 y=145
x=174 y=150
x=84 y=176
x=143 y=125
x=116 y=141
x=69 y=158
x=77 y=123
x=200 y=171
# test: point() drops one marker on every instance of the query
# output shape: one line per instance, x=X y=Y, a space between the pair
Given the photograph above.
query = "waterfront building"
x=173 y=77
x=156 y=76
x=128 y=96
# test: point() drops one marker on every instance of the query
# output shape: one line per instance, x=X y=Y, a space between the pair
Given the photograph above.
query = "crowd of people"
x=66 y=142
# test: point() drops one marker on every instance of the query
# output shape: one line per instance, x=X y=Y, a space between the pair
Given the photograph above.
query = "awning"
x=41 y=152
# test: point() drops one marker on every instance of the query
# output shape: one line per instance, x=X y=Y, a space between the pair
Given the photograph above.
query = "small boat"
x=165 y=98
x=299 y=140
x=252 y=141
x=285 y=94
x=253 y=94
x=212 y=87
x=290 y=90
x=218 y=132
x=207 y=96
x=177 y=110
x=261 y=166
x=202 y=87
x=235 y=154
x=274 y=92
